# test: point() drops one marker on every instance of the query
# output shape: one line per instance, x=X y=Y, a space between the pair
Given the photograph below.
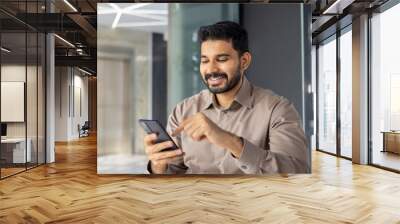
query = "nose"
x=211 y=67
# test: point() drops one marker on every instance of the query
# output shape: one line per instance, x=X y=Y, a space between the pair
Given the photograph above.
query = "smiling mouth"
x=215 y=81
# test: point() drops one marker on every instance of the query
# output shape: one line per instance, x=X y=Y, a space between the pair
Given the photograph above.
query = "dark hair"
x=226 y=30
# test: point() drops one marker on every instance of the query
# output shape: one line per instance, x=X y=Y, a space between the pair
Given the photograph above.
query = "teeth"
x=213 y=79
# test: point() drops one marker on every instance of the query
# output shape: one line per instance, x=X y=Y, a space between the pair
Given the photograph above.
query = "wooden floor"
x=387 y=159
x=8 y=171
x=70 y=191
x=5 y=172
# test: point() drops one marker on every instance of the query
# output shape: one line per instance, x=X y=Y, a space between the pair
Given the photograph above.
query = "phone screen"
x=154 y=126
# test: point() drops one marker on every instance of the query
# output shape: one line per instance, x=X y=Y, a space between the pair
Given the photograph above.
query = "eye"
x=223 y=58
x=203 y=61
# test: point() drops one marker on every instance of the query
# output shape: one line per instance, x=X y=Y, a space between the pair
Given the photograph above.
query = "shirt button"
x=244 y=167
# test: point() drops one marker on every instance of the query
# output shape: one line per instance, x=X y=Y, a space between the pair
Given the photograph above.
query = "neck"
x=225 y=99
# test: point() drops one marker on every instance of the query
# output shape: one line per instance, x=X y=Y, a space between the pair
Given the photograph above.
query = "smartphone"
x=154 y=126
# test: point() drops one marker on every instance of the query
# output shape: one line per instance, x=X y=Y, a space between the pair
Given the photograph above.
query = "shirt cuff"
x=149 y=168
x=170 y=169
x=251 y=158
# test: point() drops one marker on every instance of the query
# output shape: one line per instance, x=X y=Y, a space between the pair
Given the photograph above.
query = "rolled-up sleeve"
x=286 y=150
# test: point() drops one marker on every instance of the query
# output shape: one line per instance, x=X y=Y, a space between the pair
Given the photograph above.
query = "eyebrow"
x=219 y=55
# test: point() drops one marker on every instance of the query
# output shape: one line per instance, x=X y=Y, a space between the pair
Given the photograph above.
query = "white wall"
x=14 y=73
x=79 y=117
x=61 y=103
x=69 y=82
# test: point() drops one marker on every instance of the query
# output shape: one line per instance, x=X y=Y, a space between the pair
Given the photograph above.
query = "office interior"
x=52 y=88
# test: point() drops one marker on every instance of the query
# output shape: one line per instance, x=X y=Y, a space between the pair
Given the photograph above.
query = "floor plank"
x=70 y=191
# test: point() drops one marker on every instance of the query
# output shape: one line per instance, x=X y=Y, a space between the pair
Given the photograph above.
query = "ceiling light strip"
x=84 y=71
x=5 y=49
x=70 y=5
x=64 y=40
x=338 y=6
x=116 y=20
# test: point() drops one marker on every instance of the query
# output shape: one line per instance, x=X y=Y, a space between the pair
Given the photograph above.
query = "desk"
x=391 y=141
x=13 y=150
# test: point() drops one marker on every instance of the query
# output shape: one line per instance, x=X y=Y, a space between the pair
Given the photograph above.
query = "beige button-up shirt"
x=274 y=141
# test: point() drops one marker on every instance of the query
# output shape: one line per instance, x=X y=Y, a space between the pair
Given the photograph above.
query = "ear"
x=245 y=61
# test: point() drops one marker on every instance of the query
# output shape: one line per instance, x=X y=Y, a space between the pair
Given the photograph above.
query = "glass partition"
x=41 y=106
x=31 y=99
x=327 y=96
x=346 y=93
x=22 y=89
x=14 y=153
x=385 y=89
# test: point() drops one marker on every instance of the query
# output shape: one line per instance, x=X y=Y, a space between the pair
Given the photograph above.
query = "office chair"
x=84 y=130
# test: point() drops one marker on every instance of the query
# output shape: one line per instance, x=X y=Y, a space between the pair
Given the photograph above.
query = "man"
x=232 y=127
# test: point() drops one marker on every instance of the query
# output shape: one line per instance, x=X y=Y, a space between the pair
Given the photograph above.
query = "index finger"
x=177 y=131
x=180 y=128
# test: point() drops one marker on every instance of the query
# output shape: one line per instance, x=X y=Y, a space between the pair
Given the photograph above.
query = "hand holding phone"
x=159 y=146
x=155 y=127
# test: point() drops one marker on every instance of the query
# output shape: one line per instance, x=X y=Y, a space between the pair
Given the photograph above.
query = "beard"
x=230 y=84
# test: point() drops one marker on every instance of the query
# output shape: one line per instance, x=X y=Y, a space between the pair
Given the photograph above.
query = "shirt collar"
x=244 y=96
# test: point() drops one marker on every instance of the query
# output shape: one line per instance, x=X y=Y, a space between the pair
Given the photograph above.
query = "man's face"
x=220 y=65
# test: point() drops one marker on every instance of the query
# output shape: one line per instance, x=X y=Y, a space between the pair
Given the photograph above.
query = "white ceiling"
x=151 y=17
